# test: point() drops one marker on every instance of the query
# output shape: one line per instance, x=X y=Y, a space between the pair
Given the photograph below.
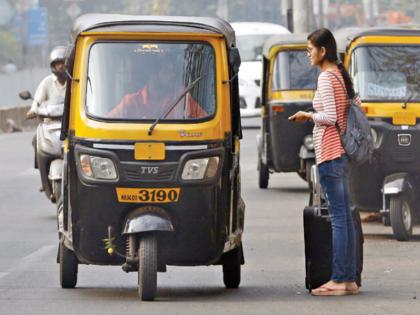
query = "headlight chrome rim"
x=98 y=167
x=202 y=168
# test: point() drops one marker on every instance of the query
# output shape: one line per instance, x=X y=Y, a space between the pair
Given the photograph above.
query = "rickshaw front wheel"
x=56 y=188
x=147 y=275
x=232 y=268
x=401 y=215
x=68 y=267
x=263 y=174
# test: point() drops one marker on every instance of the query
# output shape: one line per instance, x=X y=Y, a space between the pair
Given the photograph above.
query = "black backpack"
x=357 y=140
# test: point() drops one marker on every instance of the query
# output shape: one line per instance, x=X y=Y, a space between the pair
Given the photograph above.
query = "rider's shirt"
x=49 y=88
x=139 y=105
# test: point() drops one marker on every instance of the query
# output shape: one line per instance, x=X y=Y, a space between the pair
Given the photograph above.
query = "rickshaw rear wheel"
x=68 y=267
x=147 y=275
x=263 y=174
x=401 y=215
x=232 y=268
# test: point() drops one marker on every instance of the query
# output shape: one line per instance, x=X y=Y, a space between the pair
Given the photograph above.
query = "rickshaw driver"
x=155 y=98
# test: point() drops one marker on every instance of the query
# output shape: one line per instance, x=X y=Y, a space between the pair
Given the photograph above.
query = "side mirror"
x=25 y=95
x=234 y=59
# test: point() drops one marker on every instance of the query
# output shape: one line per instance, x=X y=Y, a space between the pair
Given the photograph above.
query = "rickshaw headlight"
x=200 y=168
x=97 y=167
x=308 y=142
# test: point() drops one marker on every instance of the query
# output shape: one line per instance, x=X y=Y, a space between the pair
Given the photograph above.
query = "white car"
x=250 y=37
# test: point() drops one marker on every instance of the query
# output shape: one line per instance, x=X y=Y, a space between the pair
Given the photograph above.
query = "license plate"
x=148 y=195
x=149 y=151
x=404 y=118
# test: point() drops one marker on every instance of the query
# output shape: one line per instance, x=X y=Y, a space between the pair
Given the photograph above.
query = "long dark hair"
x=324 y=38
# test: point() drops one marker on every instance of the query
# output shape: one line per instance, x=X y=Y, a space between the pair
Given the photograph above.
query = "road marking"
x=38 y=253
x=28 y=261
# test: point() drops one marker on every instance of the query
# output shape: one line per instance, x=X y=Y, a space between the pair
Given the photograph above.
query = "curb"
x=17 y=115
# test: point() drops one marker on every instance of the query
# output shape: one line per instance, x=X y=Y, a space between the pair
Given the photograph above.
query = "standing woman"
x=331 y=103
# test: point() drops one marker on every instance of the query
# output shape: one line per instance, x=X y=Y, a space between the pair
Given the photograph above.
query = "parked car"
x=250 y=37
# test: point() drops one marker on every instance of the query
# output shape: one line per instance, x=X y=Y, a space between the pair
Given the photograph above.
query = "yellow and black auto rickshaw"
x=288 y=84
x=151 y=155
x=384 y=64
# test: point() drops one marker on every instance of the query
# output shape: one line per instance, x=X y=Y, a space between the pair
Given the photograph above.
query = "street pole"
x=222 y=9
x=301 y=16
x=337 y=14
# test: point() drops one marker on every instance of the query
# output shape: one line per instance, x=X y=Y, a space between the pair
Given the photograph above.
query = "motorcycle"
x=48 y=146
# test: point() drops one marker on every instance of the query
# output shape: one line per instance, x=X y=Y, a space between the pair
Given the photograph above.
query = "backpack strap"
x=347 y=95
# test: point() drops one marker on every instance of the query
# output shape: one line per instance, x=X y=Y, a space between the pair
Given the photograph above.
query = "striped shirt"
x=330 y=104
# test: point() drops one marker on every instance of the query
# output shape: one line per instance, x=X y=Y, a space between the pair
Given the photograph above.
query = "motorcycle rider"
x=53 y=85
x=51 y=88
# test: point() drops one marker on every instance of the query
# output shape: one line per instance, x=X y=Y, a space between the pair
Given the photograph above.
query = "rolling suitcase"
x=318 y=241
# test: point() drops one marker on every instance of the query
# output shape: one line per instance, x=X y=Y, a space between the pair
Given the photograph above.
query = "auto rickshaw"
x=151 y=157
x=288 y=85
x=384 y=65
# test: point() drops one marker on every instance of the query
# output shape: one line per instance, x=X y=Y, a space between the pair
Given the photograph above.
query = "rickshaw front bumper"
x=194 y=218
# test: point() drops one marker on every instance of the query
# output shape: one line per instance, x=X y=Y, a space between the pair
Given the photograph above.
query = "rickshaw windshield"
x=141 y=81
x=293 y=71
x=250 y=46
x=387 y=73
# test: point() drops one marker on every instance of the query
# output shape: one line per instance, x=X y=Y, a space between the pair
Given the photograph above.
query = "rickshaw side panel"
x=286 y=137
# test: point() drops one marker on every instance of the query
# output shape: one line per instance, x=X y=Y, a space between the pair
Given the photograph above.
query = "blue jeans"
x=333 y=177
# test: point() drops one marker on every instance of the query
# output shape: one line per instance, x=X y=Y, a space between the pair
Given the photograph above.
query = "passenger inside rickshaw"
x=148 y=79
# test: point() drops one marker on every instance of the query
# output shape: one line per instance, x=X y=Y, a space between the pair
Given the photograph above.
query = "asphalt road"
x=272 y=278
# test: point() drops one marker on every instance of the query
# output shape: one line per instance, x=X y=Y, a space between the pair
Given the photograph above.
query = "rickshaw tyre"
x=308 y=168
x=263 y=174
x=232 y=268
x=56 y=188
x=68 y=267
x=396 y=217
x=147 y=274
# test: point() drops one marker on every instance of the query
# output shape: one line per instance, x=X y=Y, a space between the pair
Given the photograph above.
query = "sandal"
x=326 y=291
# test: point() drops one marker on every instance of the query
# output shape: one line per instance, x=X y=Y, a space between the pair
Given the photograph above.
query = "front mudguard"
x=56 y=170
x=305 y=154
x=395 y=184
x=147 y=219
x=398 y=183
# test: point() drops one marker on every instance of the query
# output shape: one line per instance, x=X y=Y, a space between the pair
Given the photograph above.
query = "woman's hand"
x=301 y=117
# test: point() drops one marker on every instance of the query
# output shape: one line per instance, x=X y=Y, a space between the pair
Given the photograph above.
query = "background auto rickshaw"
x=155 y=182
x=384 y=65
x=288 y=84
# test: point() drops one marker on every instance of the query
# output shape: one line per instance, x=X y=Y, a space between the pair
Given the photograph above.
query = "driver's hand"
x=30 y=114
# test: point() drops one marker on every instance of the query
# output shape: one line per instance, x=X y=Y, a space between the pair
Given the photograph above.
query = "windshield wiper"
x=163 y=116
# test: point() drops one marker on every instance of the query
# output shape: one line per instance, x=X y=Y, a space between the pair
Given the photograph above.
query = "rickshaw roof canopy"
x=346 y=36
x=287 y=39
x=151 y=23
